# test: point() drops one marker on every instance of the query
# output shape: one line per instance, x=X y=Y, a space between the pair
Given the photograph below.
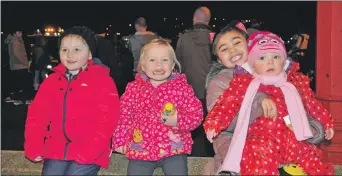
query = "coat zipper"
x=64 y=120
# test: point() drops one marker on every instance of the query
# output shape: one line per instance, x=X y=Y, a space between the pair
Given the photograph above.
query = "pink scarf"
x=296 y=111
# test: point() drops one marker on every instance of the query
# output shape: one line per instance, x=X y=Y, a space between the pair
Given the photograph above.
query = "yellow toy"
x=291 y=169
x=168 y=111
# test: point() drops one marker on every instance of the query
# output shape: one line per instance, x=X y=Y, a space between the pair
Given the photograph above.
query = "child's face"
x=74 y=53
x=157 y=64
x=232 y=49
x=269 y=64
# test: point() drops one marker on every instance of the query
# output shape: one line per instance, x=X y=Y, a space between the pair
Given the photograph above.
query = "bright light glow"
x=214 y=18
x=49 y=66
x=214 y=25
x=130 y=25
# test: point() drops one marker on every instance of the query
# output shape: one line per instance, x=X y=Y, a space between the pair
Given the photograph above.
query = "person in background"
x=19 y=66
x=139 y=39
x=194 y=53
x=40 y=61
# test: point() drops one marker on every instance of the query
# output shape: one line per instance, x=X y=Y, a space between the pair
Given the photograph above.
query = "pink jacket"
x=141 y=129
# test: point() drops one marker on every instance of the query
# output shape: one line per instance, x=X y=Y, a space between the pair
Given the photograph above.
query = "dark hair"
x=229 y=27
x=141 y=21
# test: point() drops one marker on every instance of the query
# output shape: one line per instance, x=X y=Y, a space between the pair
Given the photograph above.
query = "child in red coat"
x=158 y=111
x=260 y=148
x=76 y=110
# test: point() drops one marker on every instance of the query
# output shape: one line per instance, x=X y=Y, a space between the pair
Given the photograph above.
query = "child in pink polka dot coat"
x=260 y=148
x=158 y=111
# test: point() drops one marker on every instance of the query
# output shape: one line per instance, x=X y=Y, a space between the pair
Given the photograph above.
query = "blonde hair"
x=161 y=42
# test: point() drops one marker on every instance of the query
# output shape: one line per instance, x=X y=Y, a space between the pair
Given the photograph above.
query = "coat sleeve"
x=190 y=114
x=227 y=105
x=215 y=89
x=123 y=130
x=108 y=113
x=37 y=122
x=312 y=105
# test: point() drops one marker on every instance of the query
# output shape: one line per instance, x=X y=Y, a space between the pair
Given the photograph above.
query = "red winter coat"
x=270 y=143
x=141 y=129
x=81 y=114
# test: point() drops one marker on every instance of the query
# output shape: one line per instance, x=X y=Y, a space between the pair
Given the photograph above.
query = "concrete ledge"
x=14 y=163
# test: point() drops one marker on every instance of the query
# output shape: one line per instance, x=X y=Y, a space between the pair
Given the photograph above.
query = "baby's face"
x=269 y=64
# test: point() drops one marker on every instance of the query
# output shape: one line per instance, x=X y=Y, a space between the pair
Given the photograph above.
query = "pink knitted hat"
x=263 y=42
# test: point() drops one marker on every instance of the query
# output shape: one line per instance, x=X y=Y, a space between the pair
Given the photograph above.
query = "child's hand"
x=210 y=135
x=121 y=149
x=329 y=133
x=290 y=127
x=170 y=120
x=38 y=159
x=270 y=109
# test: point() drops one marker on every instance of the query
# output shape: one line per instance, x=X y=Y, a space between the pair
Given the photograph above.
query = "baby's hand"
x=290 y=127
x=210 y=135
x=170 y=120
x=329 y=133
x=121 y=149
x=270 y=109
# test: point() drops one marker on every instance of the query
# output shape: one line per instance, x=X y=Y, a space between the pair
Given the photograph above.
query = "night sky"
x=284 y=18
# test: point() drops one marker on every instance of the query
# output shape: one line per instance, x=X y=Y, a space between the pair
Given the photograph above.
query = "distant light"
x=110 y=25
x=47 y=34
x=176 y=18
x=58 y=34
x=175 y=26
x=214 y=18
x=55 y=34
x=2 y=33
x=130 y=25
x=51 y=29
x=38 y=30
x=214 y=25
x=49 y=66
x=107 y=34
x=182 y=24
x=223 y=19
x=46 y=75
x=106 y=28
x=117 y=33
